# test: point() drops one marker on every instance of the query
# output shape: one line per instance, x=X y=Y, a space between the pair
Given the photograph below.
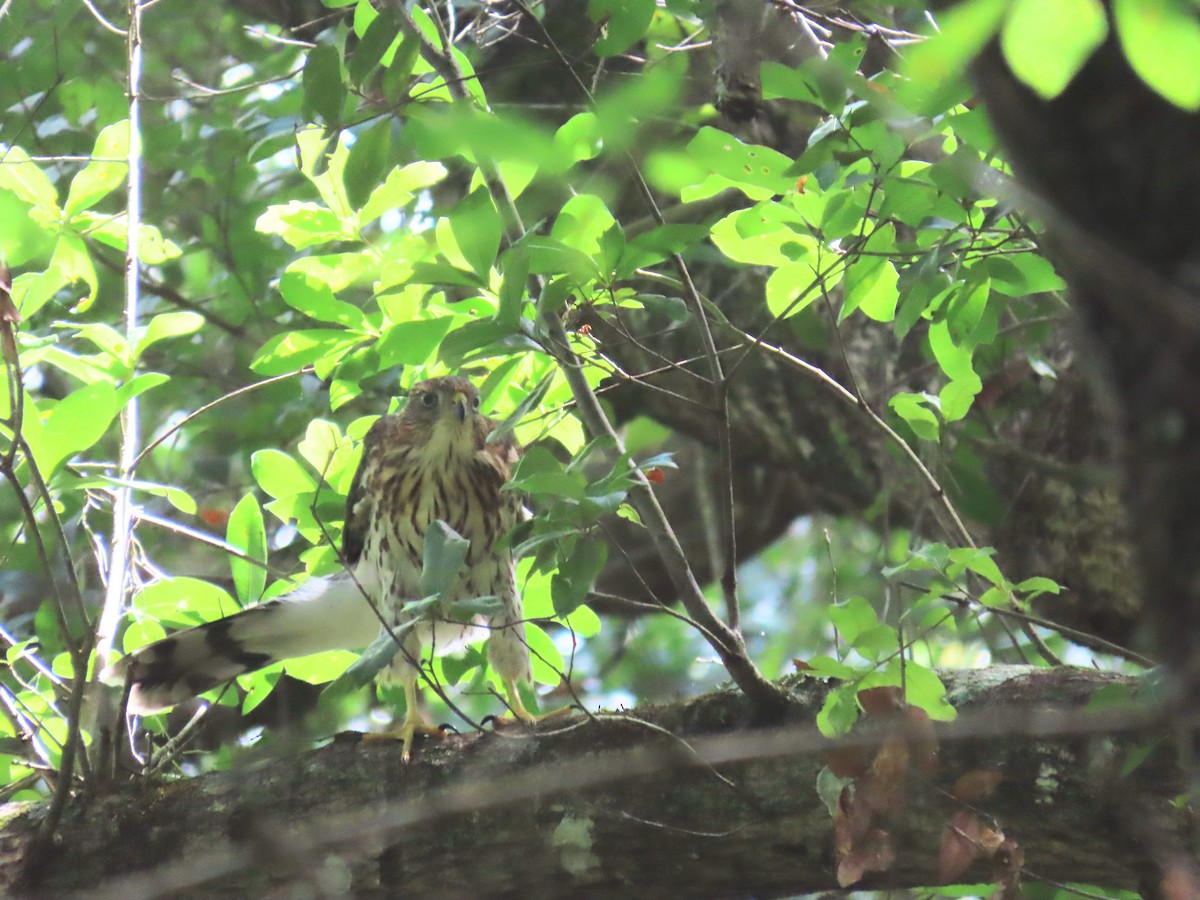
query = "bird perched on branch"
x=430 y=463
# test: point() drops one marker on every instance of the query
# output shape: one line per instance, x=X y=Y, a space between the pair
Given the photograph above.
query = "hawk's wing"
x=359 y=505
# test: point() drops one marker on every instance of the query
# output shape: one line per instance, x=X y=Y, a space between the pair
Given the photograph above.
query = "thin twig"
x=123 y=511
x=209 y=406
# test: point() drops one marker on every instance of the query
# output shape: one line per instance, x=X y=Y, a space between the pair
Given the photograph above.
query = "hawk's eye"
x=475 y=403
x=429 y=399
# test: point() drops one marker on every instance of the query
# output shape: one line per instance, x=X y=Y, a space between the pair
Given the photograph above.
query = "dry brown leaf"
x=922 y=739
x=884 y=787
x=990 y=840
x=1007 y=862
x=876 y=852
x=960 y=846
x=853 y=815
x=1181 y=881
x=848 y=762
x=976 y=784
x=881 y=701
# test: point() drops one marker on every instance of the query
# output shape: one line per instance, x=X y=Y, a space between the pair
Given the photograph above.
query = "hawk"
x=431 y=462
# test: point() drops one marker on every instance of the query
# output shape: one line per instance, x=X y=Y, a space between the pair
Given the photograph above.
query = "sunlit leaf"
x=1046 y=42
x=246 y=531
x=1161 y=40
x=104 y=173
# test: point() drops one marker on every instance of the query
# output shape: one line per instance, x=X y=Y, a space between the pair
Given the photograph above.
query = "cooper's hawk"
x=431 y=462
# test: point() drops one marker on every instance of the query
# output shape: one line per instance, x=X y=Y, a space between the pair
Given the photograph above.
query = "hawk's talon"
x=414 y=723
x=518 y=714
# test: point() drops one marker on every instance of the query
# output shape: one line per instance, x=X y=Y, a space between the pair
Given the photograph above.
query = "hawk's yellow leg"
x=414 y=723
x=519 y=713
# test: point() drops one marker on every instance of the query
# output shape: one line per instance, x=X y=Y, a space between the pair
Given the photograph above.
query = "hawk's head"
x=447 y=408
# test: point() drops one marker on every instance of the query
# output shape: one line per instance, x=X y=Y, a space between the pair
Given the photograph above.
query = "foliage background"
x=824 y=330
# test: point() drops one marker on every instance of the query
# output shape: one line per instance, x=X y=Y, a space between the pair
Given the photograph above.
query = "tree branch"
x=681 y=800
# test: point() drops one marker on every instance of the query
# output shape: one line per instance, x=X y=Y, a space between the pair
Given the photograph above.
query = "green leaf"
x=538 y=472
x=743 y=164
x=548 y=256
x=293 y=350
x=924 y=689
x=547 y=661
x=935 y=67
x=99 y=177
x=955 y=399
x=139 y=634
x=167 y=325
x=399 y=188
x=967 y=308
x=1021 y=274
x=793 y=287
x=75 y=423
x=280 y=475
x=138 y=385
x=247 y=532
x=913 y=410
x=576 y=574
x=315 y=299
x=954 y=359
x=367 y=162
x=622 y=23
x=324 y=90
x=411 y=343
x=579 y=138
x=319 y=668
x=1046 y=42
x=1038 y=585
x=978 y=560
x=582 y=223
x=514 y=266
x=480 y=339
x=1161 y=39
x=337 y=271
x=303 y=224
x=442 y=559
x=827 y=667
x=852 y=618
x=28 y=182
x=363 y=671
x=73 y=264
x=184 y=601
x=871 y=287
x=477 y=230
x=583 y=622
x=444 y=274
x=531 y=401
x=788 y=83
x=153 y=248
x=379 y=36
x=839 y=712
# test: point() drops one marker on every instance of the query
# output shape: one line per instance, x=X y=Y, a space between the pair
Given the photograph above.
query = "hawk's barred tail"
x=322 y=614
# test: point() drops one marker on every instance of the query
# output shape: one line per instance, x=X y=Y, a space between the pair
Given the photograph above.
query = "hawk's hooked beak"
x=461 y=405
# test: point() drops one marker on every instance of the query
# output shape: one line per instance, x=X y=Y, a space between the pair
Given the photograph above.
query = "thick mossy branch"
x=683 y=799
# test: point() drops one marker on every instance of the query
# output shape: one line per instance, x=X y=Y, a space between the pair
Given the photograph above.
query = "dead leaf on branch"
x=976 y=784
x=960 y=846
x=876 y=852
x=1007 y=862
x=881 y=701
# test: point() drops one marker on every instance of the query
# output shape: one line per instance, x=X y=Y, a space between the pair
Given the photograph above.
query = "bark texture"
x=677 y=800
x=1114 y=164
